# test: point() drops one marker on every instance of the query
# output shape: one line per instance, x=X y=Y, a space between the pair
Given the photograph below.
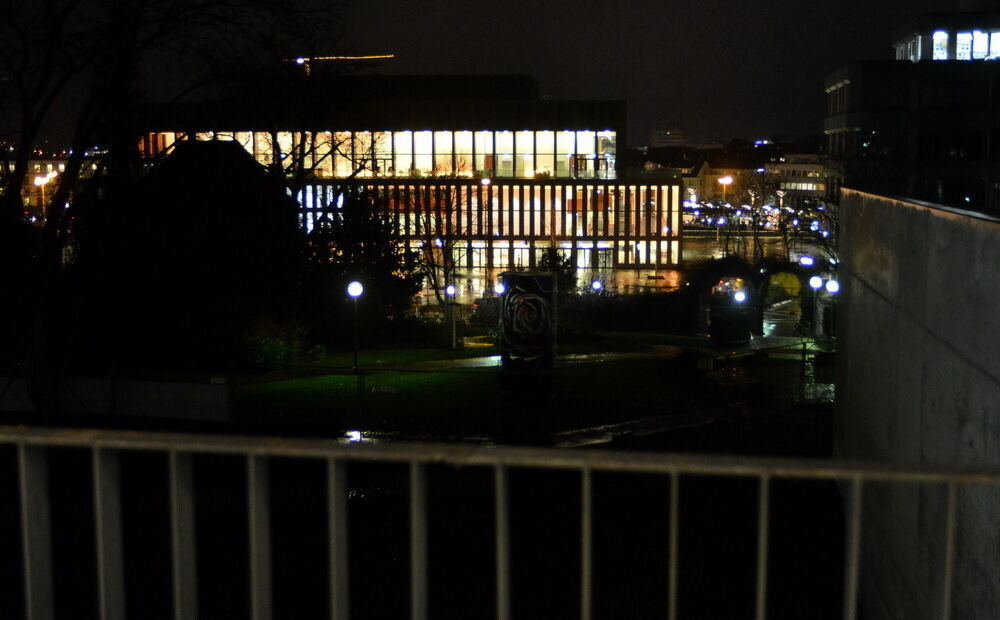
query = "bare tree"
x=84 y=57
x=443 y=219
x=752 y=191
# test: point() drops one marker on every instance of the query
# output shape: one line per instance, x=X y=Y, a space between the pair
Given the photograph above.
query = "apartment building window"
x=940 y=45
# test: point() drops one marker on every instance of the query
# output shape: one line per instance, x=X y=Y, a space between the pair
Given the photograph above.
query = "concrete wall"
x=919 y=383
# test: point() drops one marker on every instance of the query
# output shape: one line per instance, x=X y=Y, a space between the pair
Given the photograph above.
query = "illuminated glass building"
x=475 y=163
x=924 y=125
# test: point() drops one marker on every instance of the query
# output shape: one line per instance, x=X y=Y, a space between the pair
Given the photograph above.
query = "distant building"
x=667 y=137
x=479 y=159
x=924 y=125
x=801 y=175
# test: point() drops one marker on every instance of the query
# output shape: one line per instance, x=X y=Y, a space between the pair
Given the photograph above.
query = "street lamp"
x=596 y=285
x=355 y=289
x=499 y=289
x=725 y=182
x=450 y=292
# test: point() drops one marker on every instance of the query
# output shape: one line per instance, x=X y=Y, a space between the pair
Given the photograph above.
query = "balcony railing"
x=33 y=444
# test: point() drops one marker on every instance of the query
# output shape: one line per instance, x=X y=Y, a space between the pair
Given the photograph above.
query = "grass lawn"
x=463 y=402
x=401 y=396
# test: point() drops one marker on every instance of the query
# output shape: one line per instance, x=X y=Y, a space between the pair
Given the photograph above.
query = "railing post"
x=108 y=523
x=502 y=543
x=182 y=537
x=763 y=512
x=853 y=551
x=675 y=507
x=418 y=541
x=949 y=550
x=258 y=508
x=36 y=532
x=586 y=542
x=336 y=496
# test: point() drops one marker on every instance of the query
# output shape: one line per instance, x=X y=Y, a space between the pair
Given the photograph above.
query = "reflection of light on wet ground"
x=473 y=284
x=358 y=436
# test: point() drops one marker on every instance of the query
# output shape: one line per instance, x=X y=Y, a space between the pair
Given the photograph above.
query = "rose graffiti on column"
x=526 y=323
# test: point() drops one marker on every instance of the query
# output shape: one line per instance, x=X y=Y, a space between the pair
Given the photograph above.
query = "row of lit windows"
x=525 y=254
x=519 y=211
x=527 y=154
x=803 y=187
x=971 y=45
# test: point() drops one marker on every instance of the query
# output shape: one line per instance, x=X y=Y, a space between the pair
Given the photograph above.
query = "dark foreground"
x=631 y=537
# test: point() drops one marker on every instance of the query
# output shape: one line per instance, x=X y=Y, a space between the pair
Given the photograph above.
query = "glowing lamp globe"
x=354 y=289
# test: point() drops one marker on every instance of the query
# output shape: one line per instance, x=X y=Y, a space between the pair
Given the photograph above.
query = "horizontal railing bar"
x=461 y=455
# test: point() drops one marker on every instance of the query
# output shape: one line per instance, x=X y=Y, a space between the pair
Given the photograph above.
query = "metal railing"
x=32 y=444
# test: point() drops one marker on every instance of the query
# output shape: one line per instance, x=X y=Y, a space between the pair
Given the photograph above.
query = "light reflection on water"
x=472 y=284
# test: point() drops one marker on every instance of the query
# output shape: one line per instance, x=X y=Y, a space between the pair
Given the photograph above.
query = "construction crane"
x=306 y=61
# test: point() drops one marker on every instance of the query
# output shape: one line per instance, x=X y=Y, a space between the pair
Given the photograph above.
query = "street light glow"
x=485 y=181
x=740 y=297
x=806 y=261
x=815 y=283
x=499 y=289
x=726 y=180
x=832 y=287
x=450 y=290
x=354 y=289
x=596 y=285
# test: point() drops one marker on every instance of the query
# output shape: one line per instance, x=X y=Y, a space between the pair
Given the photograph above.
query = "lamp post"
x=450 y=292
x=355 y=289
x=725 y=182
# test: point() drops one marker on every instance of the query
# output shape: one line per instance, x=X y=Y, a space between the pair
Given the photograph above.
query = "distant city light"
x=354 y=289
x=806 y=261
x=353 y=436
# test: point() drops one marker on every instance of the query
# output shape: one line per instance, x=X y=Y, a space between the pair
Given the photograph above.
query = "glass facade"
x=506 y=225
x=525 y=154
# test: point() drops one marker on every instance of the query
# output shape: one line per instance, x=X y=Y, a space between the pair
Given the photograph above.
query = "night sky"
x=715 y=68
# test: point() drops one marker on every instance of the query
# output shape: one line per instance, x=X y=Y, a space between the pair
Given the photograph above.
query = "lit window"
x=504 y=142
x=484 y=151
x=963 y=46
x=585 y=142
x=423 y=152
x=940 y=40
x=980 y=44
